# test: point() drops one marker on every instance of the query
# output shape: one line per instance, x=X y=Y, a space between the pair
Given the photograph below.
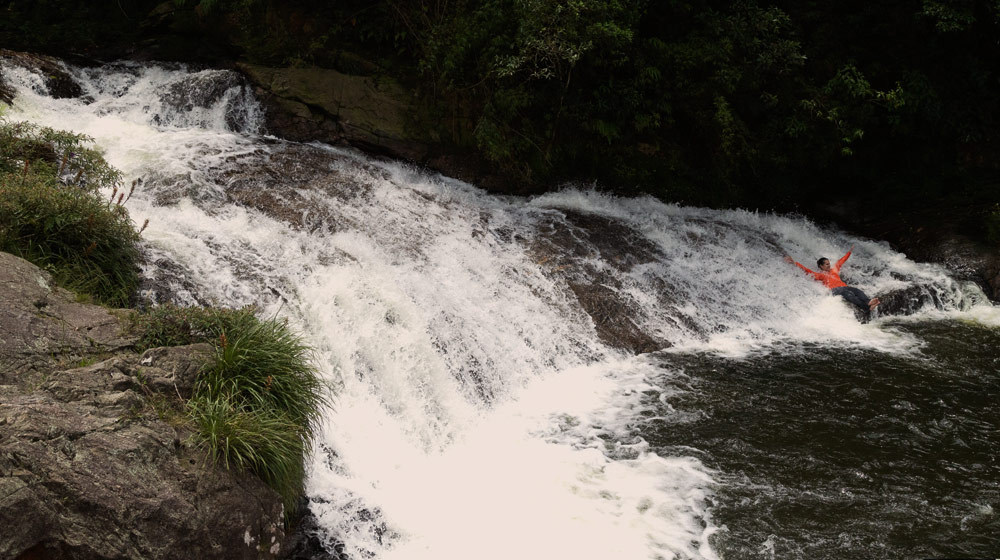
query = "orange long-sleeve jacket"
x=829 y=279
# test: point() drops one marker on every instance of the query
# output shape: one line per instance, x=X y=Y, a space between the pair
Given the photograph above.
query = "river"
x=488 y=404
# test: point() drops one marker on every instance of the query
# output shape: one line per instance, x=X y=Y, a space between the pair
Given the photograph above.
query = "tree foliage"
x=717 y=102
x=767 y=103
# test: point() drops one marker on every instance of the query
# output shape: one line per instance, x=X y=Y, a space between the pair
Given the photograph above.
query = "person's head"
x=823 y=263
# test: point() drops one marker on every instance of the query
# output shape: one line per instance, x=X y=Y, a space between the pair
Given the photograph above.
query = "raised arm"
x=840 y=263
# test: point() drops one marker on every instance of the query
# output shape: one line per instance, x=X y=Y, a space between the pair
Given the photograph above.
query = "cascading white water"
x=478 y=413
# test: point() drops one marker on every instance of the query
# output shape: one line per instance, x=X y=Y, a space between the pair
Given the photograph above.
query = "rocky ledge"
x=946 y=234
x=376 y=114
x=94 y=455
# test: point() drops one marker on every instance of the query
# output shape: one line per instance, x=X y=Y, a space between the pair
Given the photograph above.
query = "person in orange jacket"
x=830 y=277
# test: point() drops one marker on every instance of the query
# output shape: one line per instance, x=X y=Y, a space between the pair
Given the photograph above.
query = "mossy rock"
x=373 y=112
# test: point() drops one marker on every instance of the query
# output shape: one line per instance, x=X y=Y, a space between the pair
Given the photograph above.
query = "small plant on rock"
x=174 y=325
x=256 y=405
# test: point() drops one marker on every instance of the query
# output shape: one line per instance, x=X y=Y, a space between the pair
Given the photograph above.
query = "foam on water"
x=727 y=266
x=478 y=413
x=543 y=475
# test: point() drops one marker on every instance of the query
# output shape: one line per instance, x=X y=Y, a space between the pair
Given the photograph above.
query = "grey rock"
x=570 y=243
x=39 y=321
x=87 y=468
x=173 y=369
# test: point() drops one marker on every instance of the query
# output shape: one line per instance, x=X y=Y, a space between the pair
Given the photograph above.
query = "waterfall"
x=481 y=346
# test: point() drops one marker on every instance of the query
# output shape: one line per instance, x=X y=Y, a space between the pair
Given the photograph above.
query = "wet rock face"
x=280 y=182
x=947 y=235
x=59 y=82
x=963 y=256
x=205 y=89
x=908 y=301
x=305 y=544
x=165 y=281
x=308 y=104
x=572 y=248
x=612 y=321
x=6 y=92
x=88 y=469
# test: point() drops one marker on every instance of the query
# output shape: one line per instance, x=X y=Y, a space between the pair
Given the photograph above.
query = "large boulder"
x=372 y=113
x=95 y=456
x=376 y=114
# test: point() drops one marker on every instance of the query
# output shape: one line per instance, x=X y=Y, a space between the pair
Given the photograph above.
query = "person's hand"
x=789 y=260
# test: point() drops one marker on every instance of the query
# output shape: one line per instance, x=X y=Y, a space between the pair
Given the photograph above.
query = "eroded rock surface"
x=575 y=248
x=95 y=460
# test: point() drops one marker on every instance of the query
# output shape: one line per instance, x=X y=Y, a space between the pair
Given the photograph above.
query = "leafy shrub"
x=52 y=214
x=256 y=406
x=993 y=225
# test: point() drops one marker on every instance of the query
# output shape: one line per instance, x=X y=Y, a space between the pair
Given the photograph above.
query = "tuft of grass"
x=173 y=325
x=256 y=405
x=52 y=213
x=266 y=365
x=264 y=442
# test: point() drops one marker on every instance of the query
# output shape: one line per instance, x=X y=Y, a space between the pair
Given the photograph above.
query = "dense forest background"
x=773 y=105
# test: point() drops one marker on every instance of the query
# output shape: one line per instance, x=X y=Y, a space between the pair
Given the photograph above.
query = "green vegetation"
x=173 y=325
x=754 y=103
x=256 y=406
x=993 y=225
x=762 y=104
x=52 y=212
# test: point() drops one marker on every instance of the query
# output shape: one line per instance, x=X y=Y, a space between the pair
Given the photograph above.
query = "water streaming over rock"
x=489 y=400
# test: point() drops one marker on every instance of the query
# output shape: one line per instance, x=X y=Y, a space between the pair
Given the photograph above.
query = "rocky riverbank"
x=946 y=235
x=95 y=460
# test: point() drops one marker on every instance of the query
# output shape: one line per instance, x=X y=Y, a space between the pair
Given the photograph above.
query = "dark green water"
x=833 y=453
